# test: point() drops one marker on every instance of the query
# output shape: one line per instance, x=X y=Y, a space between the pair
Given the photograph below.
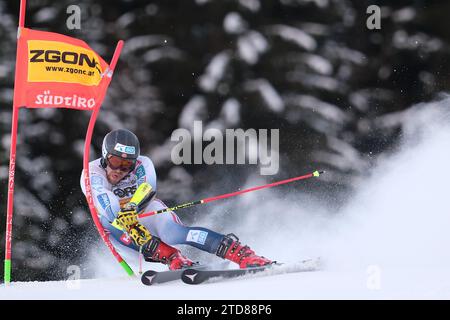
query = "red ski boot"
x=231 y=249
x=157 y=251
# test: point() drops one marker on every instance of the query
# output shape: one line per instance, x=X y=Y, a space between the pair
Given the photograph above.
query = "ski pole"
x=232 y=194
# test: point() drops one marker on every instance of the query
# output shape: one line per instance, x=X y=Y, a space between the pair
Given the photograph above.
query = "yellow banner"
x=54 y=61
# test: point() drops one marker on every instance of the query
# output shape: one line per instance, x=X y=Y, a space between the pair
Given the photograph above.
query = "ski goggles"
x=117 y=163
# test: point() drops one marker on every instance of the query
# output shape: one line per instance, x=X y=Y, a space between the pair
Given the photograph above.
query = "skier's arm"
x=146 y=172
x=127 y=217
x=105 y=201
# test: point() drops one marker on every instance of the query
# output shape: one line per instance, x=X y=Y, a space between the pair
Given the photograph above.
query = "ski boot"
x=231 y=249
x=156 y=250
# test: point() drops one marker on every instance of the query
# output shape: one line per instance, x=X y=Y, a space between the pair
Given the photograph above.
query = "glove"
x=139 y=234
x=127 y=217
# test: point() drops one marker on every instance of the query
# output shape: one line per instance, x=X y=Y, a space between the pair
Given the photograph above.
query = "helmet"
x=121 y=143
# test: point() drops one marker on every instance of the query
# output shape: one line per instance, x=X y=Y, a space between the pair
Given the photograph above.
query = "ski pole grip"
x=318 y=173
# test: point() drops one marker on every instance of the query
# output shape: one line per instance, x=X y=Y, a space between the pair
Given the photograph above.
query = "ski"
x=197 y=276
x=151 y=277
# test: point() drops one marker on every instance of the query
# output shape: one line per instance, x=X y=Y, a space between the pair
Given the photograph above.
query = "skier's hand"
x=127 y=217
x=139 y=234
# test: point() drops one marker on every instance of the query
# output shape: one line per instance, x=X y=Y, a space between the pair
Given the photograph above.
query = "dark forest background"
x=310 y=68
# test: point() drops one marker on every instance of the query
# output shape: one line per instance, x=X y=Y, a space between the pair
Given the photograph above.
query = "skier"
x=116 y=176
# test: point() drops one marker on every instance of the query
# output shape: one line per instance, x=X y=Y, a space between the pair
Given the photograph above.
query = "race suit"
x=109 y=199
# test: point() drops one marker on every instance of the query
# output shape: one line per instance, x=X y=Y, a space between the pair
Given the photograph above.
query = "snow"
x=78 y=217
x=390 y=241
x=294 y=35
x=398 y=284
x=252 y=5
x=318 y=64
x=402 y=40
x=201 y=2
x=28 y=205
x=315 y=29
x=4 y=172
x=231 y=112
x=250 y=46
x=327 y=110
x=125 y=20
x=318 y=3
x=157 y=54
x=234 y=24
x=272 y=99
x=345 y=54
x=195 y=109
x=214 y=71
x=405 y=14
x=4 y=71
x=345 y=156
x=35 y=255
x=46 y=14
x=315 y=81
x=142 y=42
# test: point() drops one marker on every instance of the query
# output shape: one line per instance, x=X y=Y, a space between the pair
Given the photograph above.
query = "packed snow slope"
x=389 y=242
